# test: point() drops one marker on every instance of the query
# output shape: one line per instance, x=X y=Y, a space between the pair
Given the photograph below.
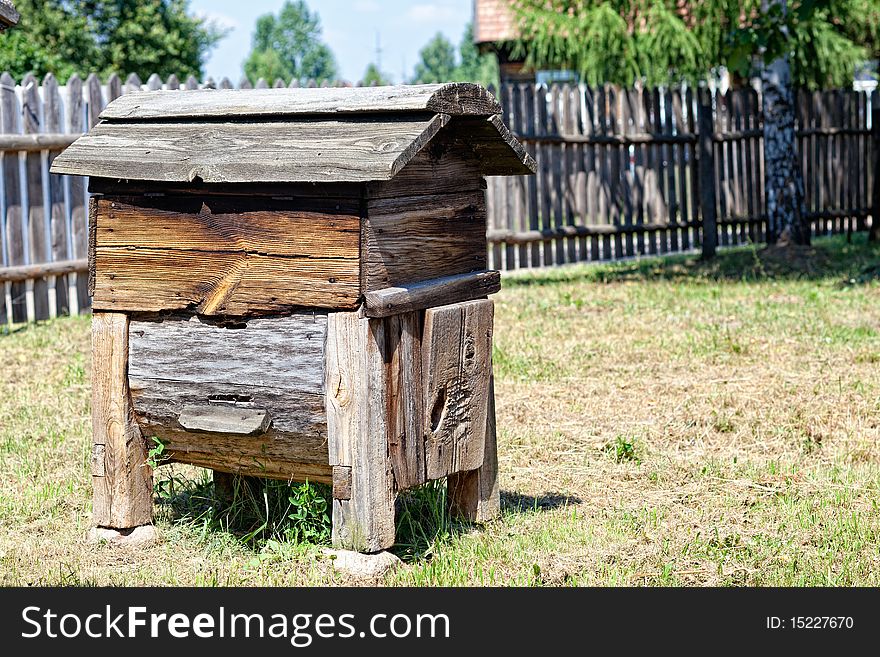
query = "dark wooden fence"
x=622 y=172
x=627 y=172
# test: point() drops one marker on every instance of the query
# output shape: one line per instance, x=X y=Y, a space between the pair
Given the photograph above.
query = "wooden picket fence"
x=43 y=217
x=622 y=172
x=628 y=172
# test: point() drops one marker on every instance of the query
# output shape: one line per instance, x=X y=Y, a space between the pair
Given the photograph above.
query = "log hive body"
x=292 y=284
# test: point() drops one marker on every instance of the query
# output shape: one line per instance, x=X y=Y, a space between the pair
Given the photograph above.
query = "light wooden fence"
x=622 y=172
x=626 y=172
x=43 y=217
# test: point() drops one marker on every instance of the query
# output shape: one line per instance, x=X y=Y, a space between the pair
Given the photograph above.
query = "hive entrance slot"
x=231 y=324
x=230 y=399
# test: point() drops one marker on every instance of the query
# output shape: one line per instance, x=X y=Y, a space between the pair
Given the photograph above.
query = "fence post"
x=874 y=233
x=706 y=163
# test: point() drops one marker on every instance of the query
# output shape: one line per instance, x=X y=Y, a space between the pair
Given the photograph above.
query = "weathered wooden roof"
x=288 y=135
x=454 y=99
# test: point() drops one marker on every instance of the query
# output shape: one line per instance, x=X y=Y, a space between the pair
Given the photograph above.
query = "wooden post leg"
x=122 y=479
x=226 y=485
x=474 y=495
x=355 y=389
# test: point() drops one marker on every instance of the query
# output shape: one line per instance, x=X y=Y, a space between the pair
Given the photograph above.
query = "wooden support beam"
x=228 y=486
x=502 y=236
x=607 y=140
x=434 y=292
x=30 y=143
x=123 y=481
x=405 y=421
x=474 y=495
x=356 y=433
x=31 y=272
x=456 y=362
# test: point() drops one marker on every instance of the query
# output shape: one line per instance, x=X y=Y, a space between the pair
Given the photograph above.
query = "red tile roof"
x=494 y=21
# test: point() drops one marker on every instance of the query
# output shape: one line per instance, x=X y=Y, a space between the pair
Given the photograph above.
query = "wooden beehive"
x=292 y=284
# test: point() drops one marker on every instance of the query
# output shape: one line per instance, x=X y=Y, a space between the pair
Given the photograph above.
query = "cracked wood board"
x=225 y=256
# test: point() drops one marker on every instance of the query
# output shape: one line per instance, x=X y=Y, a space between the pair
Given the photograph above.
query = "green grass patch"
x=663 y=422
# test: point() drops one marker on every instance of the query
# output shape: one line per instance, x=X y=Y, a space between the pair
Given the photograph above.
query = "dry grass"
x=663 y=422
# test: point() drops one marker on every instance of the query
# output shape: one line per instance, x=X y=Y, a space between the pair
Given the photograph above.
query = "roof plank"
x=499 y=152
x=455 y=99
x=342 y=149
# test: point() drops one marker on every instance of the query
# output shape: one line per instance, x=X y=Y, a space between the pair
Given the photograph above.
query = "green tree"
x=289 y=46
x=104 y=36
x=374 y=77
x=662 y=41
x=436 y=61
x=474 y=67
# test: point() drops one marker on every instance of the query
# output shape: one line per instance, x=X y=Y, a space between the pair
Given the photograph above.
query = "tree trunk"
x=783 y=179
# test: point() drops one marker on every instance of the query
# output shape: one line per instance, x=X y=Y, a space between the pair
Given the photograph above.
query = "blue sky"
x=350 y=29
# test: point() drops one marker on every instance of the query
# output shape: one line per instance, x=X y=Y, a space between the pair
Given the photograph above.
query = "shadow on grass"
x=424 y=521
x=829 y=258
x=518 y=503
x=258 y=511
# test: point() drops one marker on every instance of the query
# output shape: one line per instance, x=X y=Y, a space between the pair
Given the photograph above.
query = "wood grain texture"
x=224 y=418
x=356 y=431
x=92 y=229
x=76 y=195
x=273 y=366
x=447 y=165
x=95 y=99
x=448 y=98
x=474 y=495
x=404 y=389
x=34 y=143
x=499 y=152
x=255 y=460
x=123 y=494
x=341 y=482
x=282 y=353
x=433 y=292
x=52 y=113
x=414 y=238
x=338 y=191
x=29 y=272
x=225 y=256
x=38 y=239
x=456 y=361
x=310 y=150
x=14 y=213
